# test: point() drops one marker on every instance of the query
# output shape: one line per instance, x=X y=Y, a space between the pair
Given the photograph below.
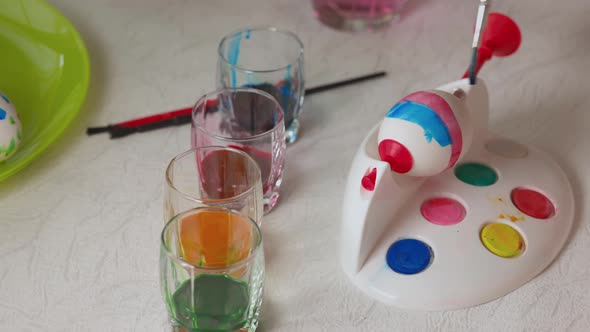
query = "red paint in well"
x=533 y=203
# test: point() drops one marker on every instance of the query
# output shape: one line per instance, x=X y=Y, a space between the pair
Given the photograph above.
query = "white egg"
x=10 y=128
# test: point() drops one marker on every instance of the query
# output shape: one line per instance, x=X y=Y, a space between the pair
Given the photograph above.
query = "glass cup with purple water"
x=249 y=120
x=267 y=59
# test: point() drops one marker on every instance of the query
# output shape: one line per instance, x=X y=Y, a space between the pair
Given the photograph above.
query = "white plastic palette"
x=461 y=271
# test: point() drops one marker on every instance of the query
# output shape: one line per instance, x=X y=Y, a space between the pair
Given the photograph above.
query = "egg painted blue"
x=233 y=54
x=425 y=117
x=408 y=256
x=4 y=97
x=2 y=114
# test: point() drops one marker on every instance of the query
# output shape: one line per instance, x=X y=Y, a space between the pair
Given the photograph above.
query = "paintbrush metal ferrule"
x=480 y=22
x=473 y=66
x=479 y=25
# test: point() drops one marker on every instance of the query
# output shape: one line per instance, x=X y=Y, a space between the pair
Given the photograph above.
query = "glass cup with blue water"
x=267 y=59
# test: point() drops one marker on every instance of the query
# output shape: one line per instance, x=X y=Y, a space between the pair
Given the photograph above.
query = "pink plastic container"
x=357 y=15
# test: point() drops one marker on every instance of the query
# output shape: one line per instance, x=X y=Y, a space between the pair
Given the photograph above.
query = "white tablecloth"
x=79 y=227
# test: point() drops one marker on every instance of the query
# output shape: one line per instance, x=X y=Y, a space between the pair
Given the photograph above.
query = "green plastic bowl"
x=44 y=71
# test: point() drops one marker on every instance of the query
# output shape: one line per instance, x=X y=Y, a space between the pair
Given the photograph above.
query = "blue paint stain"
x=285 y=89
x=4 y=97
x=233 y=54
x=2 y=114
x=425 y=117
x=248 y=33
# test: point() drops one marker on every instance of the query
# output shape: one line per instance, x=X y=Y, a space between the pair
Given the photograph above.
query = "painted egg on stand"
x=10 y=128
x=424 y=134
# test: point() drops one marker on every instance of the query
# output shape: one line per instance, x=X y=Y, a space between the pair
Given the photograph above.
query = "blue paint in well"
x=2 y=114
x=408 y=256
x=425 y=117
x=4 y=97
x=233 y=54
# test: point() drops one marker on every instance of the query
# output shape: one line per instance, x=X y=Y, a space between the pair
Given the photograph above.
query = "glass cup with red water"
x=249 y=120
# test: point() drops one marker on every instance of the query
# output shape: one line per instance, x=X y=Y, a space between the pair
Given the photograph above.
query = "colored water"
x=211 y=303
x=215 y=238
x=218 y=165
x=264 y=161
x=285 y=95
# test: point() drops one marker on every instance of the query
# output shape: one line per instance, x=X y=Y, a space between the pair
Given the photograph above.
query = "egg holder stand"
x=433 y=227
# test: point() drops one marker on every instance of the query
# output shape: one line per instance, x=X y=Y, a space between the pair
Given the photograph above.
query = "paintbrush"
x=479 y=26
x=183 y=116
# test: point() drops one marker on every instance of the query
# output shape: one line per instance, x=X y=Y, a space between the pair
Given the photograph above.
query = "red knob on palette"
x=501 y=37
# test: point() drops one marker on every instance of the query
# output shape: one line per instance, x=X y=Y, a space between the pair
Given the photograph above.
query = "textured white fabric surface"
x=79 y=227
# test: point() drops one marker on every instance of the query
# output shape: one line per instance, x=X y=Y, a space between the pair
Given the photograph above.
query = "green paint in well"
x=476 y=174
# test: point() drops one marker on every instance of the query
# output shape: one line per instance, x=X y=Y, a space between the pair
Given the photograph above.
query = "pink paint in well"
x=443 y=211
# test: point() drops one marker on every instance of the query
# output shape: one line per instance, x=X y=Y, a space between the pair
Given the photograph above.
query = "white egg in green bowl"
x=10 y=128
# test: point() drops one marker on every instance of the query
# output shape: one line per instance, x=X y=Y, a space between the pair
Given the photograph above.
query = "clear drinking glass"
x=212 y=270
x=250 y=120
x=213 y=176
x=268 y=59
x=357 y=15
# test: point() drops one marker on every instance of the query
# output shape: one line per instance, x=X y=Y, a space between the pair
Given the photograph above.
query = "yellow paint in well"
x=502 y=240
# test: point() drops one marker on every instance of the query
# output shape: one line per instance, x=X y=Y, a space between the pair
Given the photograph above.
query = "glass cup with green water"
x=212 y=270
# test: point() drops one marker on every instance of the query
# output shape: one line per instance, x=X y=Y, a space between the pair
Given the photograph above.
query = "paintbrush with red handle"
x=183 y=116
